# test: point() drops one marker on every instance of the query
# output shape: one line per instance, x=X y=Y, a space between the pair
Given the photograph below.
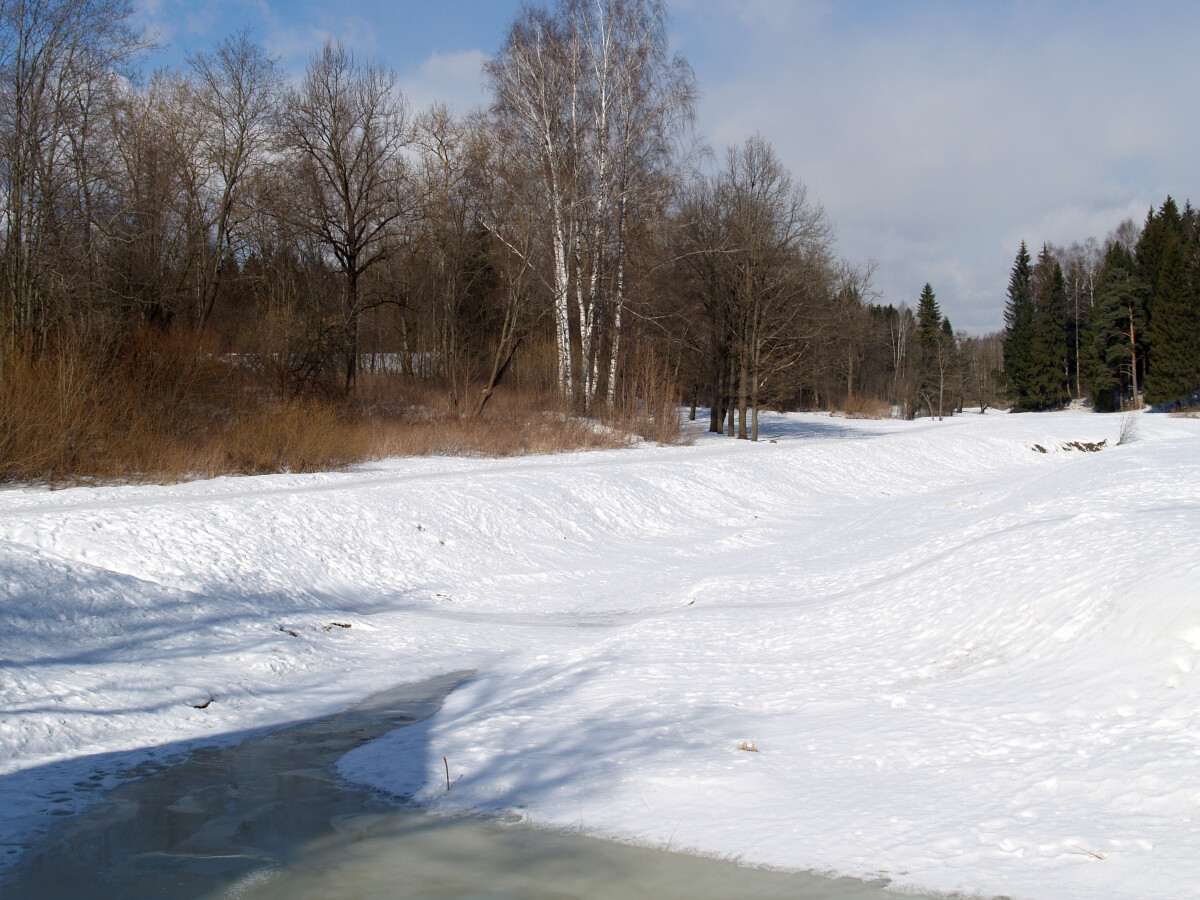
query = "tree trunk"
x=1133 y=359
x=351 y=326
x=562 y=323
x=616 y=337
x=743 y=378
x=731 y=401
x=214 y=278
x=715 y=412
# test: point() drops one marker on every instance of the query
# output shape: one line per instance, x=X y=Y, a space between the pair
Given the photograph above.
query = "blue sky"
x=937 y=135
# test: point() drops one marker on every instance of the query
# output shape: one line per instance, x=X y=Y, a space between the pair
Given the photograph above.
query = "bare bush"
x=647 y=401
x=1129 y=429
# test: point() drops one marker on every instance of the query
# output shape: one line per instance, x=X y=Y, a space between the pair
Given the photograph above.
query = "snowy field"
x=966 y=665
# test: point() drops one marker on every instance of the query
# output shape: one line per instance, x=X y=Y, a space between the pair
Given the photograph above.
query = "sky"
x=936 y=135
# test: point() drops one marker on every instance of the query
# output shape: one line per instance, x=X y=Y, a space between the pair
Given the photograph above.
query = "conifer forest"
x=1117 y=323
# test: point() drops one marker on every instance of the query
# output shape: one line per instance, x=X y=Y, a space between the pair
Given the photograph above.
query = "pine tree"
x=1018 y=326
x=952 y=366
x=1161 y=229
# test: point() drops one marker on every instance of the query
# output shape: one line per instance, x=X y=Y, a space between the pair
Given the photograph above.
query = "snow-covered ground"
x=965 y=664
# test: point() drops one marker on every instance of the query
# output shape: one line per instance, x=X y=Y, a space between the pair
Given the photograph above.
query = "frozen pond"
x=269 y=818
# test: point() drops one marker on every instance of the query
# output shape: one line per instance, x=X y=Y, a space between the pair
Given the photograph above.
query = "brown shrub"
x=163 y=407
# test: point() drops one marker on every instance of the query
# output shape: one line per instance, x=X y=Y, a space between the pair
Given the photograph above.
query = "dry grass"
x=748 y=746
x=164 y=409
x=647 y=402
x=866 y=408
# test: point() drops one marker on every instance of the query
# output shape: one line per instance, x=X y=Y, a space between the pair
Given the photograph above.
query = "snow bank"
x=966 y=665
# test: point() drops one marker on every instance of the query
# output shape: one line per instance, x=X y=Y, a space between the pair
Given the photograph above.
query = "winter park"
x=489 y=451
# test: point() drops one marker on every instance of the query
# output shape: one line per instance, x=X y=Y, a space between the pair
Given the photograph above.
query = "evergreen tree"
x=934 y=354
x=1118 y=331
x=1018 y=326
x=929 y=318
x=1162 y=230
x=1047 y=379
x=1175 y=329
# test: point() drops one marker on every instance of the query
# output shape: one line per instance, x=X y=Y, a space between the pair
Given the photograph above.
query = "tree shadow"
x=780 y=426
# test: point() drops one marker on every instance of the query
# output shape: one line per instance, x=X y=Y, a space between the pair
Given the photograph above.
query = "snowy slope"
x=966 y=665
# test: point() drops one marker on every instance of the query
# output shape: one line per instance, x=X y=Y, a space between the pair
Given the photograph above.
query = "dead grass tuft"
x=647 y=402
x=866 y=408
x=748 y=746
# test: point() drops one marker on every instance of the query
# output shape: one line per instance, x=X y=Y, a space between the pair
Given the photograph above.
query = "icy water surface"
x=269 y=818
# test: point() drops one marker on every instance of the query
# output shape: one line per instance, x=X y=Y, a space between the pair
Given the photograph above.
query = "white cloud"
x=295 y=42
x=940 y=139
x=455 y=79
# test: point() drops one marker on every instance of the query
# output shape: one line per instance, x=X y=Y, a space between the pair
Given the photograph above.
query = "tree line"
x=1117 y=322
x=573 y=237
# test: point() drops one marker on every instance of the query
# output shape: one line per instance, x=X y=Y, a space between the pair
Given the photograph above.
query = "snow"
x=966 y=665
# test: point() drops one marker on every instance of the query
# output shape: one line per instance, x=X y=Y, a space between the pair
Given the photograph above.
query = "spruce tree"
x=1046 y=384
x=1118 y=331
x=929 y=337
x=1018 y=327
x=929 y=317
x=1160 y=232
x=1175 y=330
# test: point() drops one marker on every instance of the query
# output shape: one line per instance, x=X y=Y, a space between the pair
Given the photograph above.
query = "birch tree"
x=641 y=100
x=532 y=79
x=596 y=104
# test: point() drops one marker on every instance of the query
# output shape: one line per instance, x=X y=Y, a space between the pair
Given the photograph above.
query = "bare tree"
x=237 y=92
x=779 y=258
x=851 y=321
x=755 y=253
x=346 y=126
x=156 y=235
x=982 y=362
x=53 y=54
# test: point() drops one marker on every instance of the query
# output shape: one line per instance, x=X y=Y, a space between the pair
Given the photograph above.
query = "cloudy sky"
x=937 y=135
